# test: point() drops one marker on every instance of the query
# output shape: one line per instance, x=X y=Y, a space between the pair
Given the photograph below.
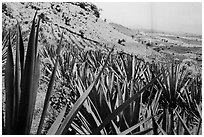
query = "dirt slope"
x=75 y=20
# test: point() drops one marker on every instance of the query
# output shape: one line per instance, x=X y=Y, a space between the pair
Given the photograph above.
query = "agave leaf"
x=160 y=128
x=21 y=48
x=199 y=127
x=85 y=124
x=133 y=67
x=117 y=130
x=187 y=98
x=123 y=65
x=130 y=67
x=135 y=126
x=95 y=114
x=180 y=129
x=123 y=123
x=199 y=109
x=77 y=128
x=49 y=90
x=69 y=118
x=4 y=42
x=27 y=95
x=124 y=105
x=36 y=78
x=171 y=122
x=17 y=77
x=155 y=127
x=136 y=113
x=166 y=83
x=137 y=69
x=143 y=132
x=117 y=69
x=120 y=101
x=89 y=106
x=57 y=122
x=171 y=82
x=166 y=119
x=36 y=37
x=132 y=105
x=183 y=123
x=105 y=106
x=127 y=111
x=111 y=83
x=156 y=100
x=9 y=88
x=105 y=94
x=147 y=75
x=3 y=124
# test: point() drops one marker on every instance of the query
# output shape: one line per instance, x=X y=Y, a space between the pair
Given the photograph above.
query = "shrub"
x=121 y=42
x=82 y=5
x=95 y=10
x=81 y=32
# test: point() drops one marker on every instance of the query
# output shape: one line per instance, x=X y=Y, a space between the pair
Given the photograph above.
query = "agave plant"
x=130 y=97
x=21 y=86
x=176 y=101
x=21 y=82
x=109 y=93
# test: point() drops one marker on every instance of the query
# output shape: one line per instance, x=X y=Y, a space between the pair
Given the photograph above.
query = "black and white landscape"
x=82 y=68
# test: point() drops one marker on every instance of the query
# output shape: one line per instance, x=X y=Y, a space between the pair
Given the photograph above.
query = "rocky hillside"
x=81 y=22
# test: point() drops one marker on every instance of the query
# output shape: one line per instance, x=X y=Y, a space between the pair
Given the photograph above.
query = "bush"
x=121 y=42
x=82 y=5
x=95 y=9
x=81 y=32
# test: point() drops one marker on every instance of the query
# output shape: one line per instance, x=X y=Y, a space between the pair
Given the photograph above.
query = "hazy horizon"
x=178 y=17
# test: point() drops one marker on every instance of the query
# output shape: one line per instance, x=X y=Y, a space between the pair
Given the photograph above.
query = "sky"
x=168 y=16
